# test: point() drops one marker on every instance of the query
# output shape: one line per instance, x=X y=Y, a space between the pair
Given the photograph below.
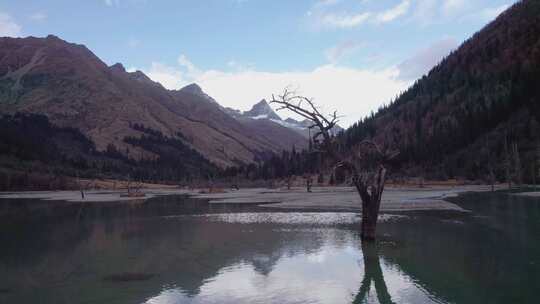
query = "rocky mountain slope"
x=74 y=88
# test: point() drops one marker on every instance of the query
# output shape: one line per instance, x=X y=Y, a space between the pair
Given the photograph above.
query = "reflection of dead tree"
x=366 y=161
x=372 y=272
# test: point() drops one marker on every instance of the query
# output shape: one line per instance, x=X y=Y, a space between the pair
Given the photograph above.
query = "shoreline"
x=395 y=199
x=529 y=194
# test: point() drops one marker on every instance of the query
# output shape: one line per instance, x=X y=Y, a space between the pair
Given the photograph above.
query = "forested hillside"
x=477 y=111
x=37 y=155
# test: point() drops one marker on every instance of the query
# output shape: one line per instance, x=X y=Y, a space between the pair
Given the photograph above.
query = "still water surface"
x=177 y=250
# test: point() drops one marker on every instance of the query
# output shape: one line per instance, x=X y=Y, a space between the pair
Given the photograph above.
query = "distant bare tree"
x=309 y=182
x=289 y=182
x=367 y=162
x=80 y=186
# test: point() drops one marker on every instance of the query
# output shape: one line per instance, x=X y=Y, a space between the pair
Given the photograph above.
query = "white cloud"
x=344 y=20
x=425 y=59
x=453 y=6
x=427 y=12
x=38 y=16
x=192 y=70
x=325 y=19
x=8 y=27
x=394 y=12
x=353 y=92
x=334 y=54
x=169 y=77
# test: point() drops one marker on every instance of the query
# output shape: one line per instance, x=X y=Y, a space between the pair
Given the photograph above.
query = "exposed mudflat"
x=322 y=198
x=346 y=198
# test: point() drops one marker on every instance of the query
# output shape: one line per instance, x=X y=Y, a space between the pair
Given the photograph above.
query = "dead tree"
x=289 y=182
x=79 y=184
x=309 y=182
x=367 y=162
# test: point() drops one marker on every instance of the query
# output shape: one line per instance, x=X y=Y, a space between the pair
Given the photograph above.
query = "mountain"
x=74 y=88
x=477 y=111
x=262 y=114
x=262 y=110
x=473 y=109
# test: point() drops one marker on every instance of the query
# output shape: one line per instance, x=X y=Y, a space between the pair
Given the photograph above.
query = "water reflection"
x=198 y=255
x=217 y=258
x=372 y=273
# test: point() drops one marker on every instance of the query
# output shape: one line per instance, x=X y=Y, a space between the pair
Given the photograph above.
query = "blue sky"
x=352 y=55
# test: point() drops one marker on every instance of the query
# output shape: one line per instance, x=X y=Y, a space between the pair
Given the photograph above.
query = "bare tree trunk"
x=128 y=185
x=289 y=182
x=80 y=186
x=309 y=181
x=507 y=165
x=370 y=214
x=371 y=203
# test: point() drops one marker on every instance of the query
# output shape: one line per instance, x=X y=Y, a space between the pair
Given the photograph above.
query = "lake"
x=175 y=249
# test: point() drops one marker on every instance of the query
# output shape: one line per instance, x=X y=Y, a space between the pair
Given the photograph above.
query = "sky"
x=348 y=55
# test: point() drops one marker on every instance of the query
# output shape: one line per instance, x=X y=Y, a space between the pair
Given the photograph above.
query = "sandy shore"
x=322 y=198
x=346 y=198
x=90 y=195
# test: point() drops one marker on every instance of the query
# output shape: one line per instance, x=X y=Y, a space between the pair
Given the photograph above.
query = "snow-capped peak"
x=262 y=110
